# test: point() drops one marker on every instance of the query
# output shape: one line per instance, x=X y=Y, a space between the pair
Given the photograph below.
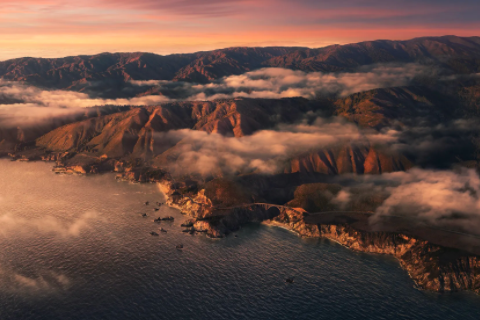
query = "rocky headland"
x=438 y=260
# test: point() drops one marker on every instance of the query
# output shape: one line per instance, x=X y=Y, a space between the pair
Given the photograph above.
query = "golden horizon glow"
x=57 y=28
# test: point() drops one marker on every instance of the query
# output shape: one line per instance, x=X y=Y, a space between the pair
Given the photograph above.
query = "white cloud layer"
x=276 y=83
x=21 y=103
x=434 y=196
x=447 y=199
x=198 y=152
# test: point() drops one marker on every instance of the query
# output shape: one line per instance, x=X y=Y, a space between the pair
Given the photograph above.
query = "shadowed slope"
x=13 y=137
x=456 y=53
x=137 y=131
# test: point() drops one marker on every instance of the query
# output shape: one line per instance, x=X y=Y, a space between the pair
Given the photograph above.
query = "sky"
x=56 y=28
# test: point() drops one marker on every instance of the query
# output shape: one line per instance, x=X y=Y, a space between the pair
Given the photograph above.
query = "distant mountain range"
x=129 y=132
x=137 y=132
x=456 y=54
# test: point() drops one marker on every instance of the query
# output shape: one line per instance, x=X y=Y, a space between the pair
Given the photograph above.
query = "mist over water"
x=76 y=247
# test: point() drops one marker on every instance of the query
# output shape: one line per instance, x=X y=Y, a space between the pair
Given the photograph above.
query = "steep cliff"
x=431 y=267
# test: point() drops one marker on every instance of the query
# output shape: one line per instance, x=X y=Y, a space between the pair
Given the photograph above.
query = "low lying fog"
x=198 y=152
x=24 y=104
x=276 y=83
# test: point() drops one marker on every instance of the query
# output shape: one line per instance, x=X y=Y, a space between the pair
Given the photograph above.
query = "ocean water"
x=76 y=247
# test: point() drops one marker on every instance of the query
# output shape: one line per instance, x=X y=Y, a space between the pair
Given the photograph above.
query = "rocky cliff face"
x=197 y=206
x=430 y=266
x=349 y=158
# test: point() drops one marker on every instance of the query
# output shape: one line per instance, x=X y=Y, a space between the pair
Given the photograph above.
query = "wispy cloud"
x=14 y=225
x=40 y=282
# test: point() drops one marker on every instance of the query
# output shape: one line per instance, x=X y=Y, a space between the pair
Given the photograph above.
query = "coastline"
x=275 y=224
x=421 y=259
x=198 y=207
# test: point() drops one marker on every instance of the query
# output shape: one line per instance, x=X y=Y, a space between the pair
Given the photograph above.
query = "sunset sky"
x=54 y=28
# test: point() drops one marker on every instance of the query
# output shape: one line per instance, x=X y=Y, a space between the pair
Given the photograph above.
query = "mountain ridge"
x=457 y=54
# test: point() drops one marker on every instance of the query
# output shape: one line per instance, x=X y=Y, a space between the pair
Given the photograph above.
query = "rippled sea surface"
x=76 y=247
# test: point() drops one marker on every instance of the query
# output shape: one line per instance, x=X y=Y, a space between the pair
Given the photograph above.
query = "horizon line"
x=232 y=47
